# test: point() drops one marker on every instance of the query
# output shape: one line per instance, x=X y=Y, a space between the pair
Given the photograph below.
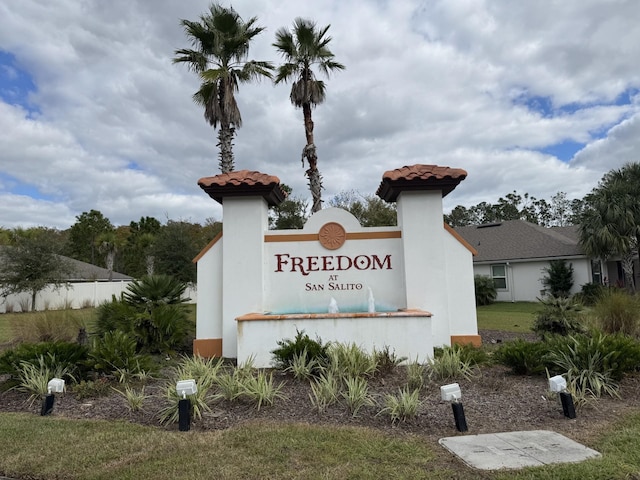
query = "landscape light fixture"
x=55 y=385
x=184 y=388
x=558 y=385
x=452 y=393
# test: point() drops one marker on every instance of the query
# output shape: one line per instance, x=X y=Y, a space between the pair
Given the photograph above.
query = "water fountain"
x=322 y=279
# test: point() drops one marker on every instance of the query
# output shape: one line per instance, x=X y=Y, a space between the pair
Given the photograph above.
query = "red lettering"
x=341 y=266
x=312 y=264
x=381 y=264
x=281 y=261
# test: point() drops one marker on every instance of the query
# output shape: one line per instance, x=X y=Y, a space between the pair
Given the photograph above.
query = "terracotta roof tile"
x=244 y=183
x=419 y=177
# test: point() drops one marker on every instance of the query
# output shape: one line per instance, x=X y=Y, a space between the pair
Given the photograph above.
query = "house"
x=514 y=253
x=87 y=285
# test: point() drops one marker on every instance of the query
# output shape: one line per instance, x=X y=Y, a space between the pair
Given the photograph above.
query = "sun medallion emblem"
x=332 y=235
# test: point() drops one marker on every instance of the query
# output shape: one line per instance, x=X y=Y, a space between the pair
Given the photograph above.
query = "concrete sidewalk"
x=515 y=450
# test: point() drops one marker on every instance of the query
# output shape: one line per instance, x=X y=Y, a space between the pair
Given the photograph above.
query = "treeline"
x=143 y=247
x=558 y=212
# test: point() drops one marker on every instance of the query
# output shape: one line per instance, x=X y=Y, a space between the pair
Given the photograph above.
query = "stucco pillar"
x=245 y=197
x=418 y=191
x=420 y=218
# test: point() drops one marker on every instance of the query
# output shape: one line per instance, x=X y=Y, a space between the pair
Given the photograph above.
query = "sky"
x=537 y=97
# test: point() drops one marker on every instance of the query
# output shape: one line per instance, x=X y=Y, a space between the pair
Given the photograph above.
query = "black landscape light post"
x=55 y=385
x=184 y=388
x=452 y=393
x=559 y=385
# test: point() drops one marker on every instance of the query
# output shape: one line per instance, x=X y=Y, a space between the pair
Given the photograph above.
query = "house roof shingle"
x=519 y=240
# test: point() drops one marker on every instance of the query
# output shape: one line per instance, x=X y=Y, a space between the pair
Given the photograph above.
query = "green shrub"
x=402 y=406
x=586 y=362
x=386 y=360
x=485 y=289
x=100 y=387
x=260 y=389
x=348 y=360
x=301 y=345
x=303 y=367
x=468 y=353
x=415 y=375
x=71 y=357
x=522 y=357
x=34 y=378
x=152 y=311
x=617 y=311
x=590 y=293
x=611 y=355
x=115 y=353
x=558 y=315
x=356 y=394
x=135 y=398
x=450 y=364
x=558 y=278
x=324 y=391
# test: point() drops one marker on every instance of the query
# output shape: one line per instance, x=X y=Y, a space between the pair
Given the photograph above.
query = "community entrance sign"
x=408 y=287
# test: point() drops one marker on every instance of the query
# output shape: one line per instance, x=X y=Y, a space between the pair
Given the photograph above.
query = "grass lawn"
x=49 y=447
x=507 y=316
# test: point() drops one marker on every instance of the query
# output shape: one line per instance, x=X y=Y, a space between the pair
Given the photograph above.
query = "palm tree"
x=609 y=225
x=108 y=243
x=304 y=47
x=220 y=41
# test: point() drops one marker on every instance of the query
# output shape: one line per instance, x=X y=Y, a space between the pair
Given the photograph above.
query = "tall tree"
x=175 y=248
x=290 y=214
x=109 y=244
x=610 y=222
x=31 y=264
x=138 y=252
x=371 y=211
x=303 y=48
x=220 y=41
x=83 y=235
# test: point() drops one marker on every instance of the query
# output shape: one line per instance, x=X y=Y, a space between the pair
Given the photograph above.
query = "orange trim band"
x=457 y=236
x=207 y=248
x=207 y=347
x=475 y=340
x=311 y=237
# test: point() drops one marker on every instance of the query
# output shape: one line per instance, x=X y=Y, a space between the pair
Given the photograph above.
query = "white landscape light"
x=557 y=384
x=186 y=387
x=56 y=385
x=450 y=393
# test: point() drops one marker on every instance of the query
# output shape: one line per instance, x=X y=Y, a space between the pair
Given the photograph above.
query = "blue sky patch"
x=13 y=185
x=15 y=83
x=563 y=151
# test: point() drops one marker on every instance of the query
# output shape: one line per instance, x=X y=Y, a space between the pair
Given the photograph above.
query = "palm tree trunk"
x=627 y=268
x=225 y=143
x=309 y=152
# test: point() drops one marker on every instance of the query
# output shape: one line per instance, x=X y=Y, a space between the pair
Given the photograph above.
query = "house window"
x=596 y=272
x=499 y=275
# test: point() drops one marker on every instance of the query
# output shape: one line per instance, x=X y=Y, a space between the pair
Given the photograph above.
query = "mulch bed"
x=494 y=401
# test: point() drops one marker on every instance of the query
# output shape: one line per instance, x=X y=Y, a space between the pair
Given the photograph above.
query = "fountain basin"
x=405 y=332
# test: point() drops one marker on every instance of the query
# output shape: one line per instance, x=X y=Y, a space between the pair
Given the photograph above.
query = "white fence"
x=75 y=295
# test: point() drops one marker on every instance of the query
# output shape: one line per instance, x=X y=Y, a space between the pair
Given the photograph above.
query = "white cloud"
x=426 y=82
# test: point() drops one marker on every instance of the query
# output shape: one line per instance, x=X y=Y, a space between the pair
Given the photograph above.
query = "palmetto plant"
x=220 y=41
x=356 y=394
x=303 y=48
x=402 y=406
x=324 y=391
